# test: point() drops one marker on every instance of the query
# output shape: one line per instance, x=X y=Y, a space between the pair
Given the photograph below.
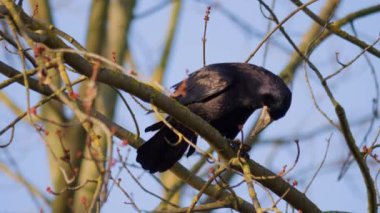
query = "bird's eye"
x=268 y=99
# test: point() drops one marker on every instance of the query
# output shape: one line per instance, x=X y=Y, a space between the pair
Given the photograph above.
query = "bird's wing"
x=201 y=86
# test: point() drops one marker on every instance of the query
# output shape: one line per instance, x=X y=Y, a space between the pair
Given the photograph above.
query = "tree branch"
x=337 y=31
x=148 y=94
x=33 y=190
x=177 y=169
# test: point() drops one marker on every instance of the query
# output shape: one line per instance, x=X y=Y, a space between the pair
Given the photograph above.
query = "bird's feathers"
x=201 y=86
x=223 y=94
x=161 y=151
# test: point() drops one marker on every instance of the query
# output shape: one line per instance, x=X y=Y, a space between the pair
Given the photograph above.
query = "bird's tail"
x=164 y=149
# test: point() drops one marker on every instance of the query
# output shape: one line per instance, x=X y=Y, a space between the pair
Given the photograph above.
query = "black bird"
x=225 y=95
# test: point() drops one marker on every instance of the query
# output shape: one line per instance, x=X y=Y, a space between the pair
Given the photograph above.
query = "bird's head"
x=275 y=101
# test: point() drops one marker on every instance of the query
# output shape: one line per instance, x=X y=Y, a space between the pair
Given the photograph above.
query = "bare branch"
x=300 y=7
x=339 y=32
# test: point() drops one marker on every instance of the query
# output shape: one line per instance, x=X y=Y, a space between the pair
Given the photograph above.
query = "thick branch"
x=177 y=111
x=177 y=169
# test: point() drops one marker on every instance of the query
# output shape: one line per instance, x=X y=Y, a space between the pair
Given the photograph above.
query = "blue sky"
x=226 y=42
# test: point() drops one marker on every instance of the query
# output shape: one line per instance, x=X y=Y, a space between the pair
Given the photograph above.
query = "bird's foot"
x=241 y=148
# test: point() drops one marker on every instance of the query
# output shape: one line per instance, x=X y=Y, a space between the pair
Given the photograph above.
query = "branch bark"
x=177 y=111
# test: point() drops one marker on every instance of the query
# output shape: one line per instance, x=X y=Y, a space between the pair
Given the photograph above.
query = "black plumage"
x=225 y=95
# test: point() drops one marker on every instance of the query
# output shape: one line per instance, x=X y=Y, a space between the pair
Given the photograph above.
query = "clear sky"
x=227 y=41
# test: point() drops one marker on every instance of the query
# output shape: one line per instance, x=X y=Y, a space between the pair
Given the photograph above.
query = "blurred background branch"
x=127 y=42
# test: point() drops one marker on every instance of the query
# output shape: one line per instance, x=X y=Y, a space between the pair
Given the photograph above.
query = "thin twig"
x=320 y=165
x=352 y=61
x=194 y=170
x=16 y=78
x=245 y=26
x=269 y=25
x=178 y=112
x=124 y=165
x=206 y=19
x=276 y=28
x=129 y=110
x=308 y=51
x=338 y=31
x=347 y=163
x=40 y=103
x=10 y=139
x=350 y=140
x=22 y=59
x=295 y=161
x=205 y=186
x=69 y=188
x=117 y=182
x=14 y=44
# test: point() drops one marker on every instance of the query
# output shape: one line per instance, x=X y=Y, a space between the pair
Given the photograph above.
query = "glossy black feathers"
x=223 y=94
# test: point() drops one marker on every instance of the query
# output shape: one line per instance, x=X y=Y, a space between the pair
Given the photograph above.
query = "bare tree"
x=71 y=92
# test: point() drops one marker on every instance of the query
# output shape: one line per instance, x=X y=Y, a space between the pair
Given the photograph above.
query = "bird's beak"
x=263 y=122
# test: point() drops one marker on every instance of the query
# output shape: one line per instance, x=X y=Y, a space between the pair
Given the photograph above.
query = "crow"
x=223 y=94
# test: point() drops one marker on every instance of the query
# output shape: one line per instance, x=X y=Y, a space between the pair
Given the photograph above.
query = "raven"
x=223 y=94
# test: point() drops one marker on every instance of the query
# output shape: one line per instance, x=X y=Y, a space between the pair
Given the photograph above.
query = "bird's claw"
x=241 y=148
